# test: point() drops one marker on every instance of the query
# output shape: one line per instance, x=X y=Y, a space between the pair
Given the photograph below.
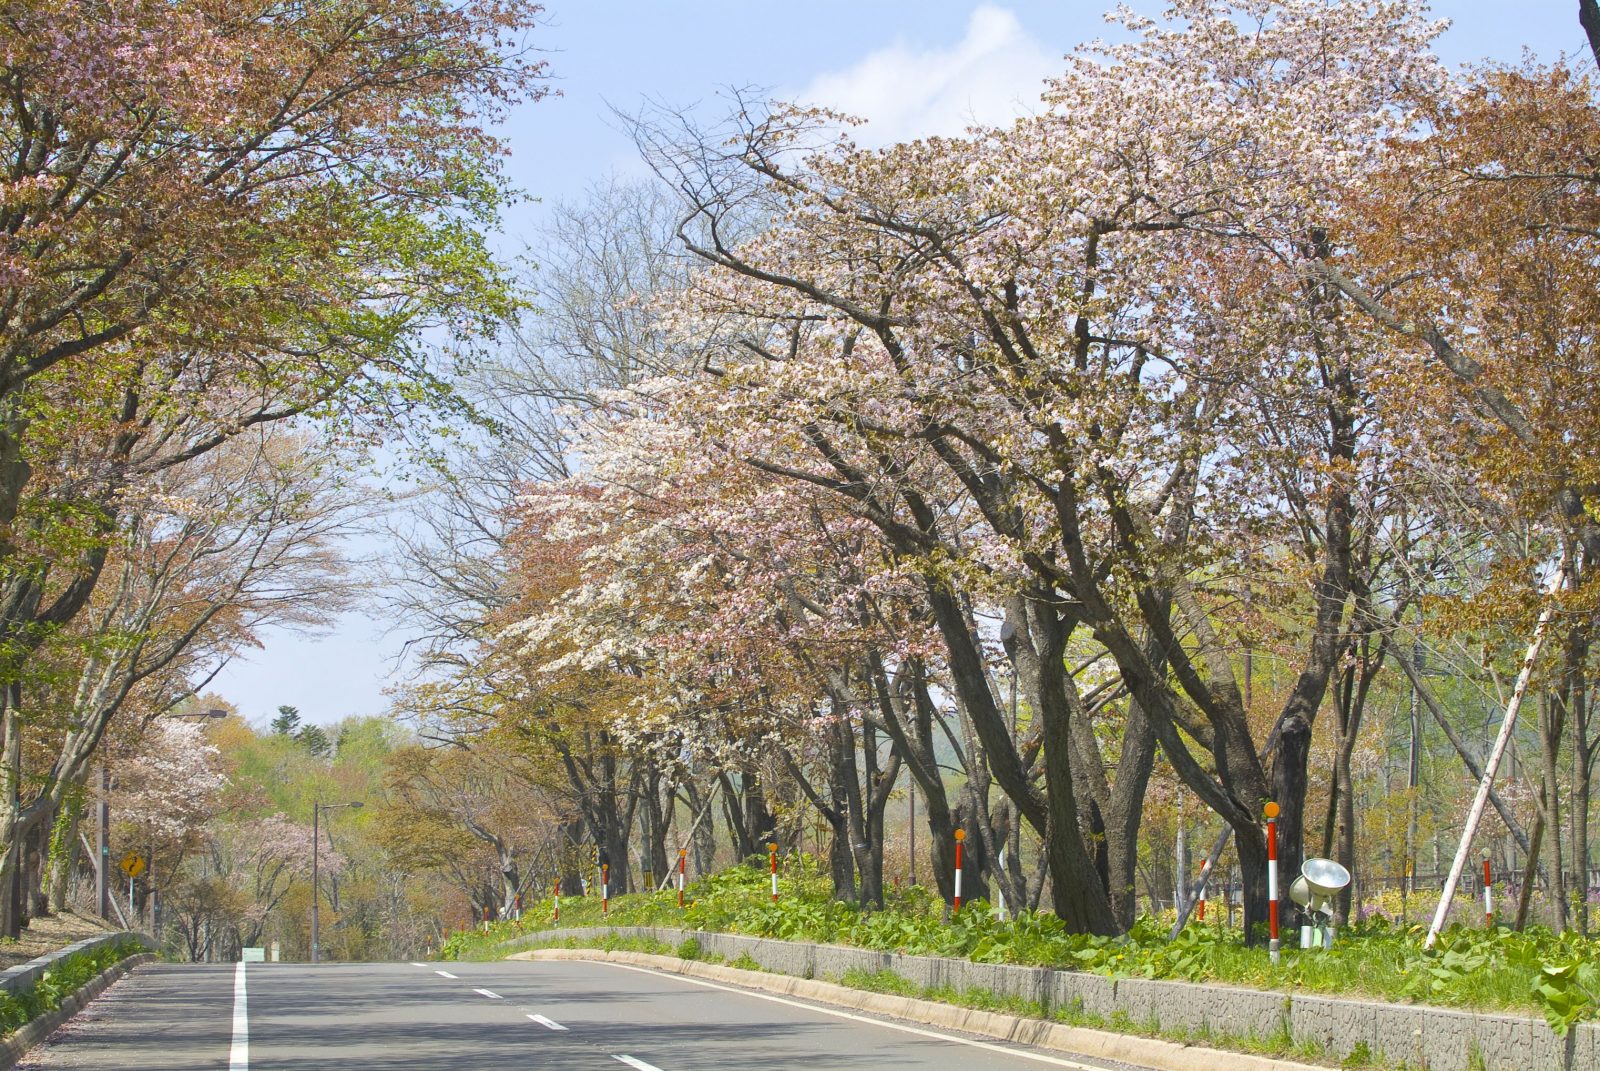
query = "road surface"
x=572 y=1015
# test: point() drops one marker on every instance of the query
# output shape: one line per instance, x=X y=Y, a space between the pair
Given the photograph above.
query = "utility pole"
x=1413 y=780
x=102 y=868
x=316 y=816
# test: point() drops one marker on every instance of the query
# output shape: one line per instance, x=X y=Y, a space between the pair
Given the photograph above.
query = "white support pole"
x=1524 y=675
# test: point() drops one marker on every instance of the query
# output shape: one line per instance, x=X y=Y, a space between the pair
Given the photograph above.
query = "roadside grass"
x=1489 y=970
x=58 y=983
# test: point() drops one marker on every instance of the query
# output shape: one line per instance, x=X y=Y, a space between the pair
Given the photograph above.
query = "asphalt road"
x=572 y=1015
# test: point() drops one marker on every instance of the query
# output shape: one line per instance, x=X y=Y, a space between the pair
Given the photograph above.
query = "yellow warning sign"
x=133 y=864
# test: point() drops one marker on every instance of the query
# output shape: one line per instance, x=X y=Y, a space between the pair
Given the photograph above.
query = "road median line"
x=1037 y=1033
x=239 y=1051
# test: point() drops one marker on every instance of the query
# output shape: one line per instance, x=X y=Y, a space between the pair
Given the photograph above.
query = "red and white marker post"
x=1488 y=892
x=485 y=918
x=605 y=888
x=1271 y=810
x=556 y=892
x=519 y=907
x=1200 y=906
x=683 y=862
x=772 y=854
x=961 y=835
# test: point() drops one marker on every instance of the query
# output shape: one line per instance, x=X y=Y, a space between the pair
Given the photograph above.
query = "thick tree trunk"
x=64 y=856
x=1530 y=872
x=1578 y=714
x=1551 y=723
x=572 y=862
x=976 y=857
x=1345 y=850
x=1289 y=780
x=11 y=919
x=607 y=817
x=1252 y=847
x=1077 y=886
x=38 y=900
x=841 y=860
x=653 y=826
x=759 y=823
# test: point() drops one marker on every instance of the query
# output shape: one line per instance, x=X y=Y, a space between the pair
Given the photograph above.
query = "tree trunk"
x=1077 y=886
x=1551 y=724
x=1251 y=844
x=703 y=839
x=64 y=849
x=1530 y=872
x=841 y=860
x=38 y=901
x=759 y=823
x=1582 y=764
x=1125 y=813
x=1289 y=783
x=572 y=863
x=654 y=826
x=910 y=721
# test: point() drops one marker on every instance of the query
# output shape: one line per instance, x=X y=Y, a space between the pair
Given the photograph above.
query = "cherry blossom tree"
x=1067 y=322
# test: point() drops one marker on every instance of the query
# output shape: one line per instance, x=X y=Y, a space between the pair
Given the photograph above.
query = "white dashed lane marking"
x=637 y=1065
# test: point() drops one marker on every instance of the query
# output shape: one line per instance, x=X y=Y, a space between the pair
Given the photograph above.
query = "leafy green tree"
x=287 y=721
x=315 y=740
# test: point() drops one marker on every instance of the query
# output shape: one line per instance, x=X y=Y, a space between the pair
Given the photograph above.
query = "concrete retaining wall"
x=25 y=975
x=1435 y=1039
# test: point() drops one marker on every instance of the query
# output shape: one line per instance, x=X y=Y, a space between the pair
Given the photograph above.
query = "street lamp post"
x=316 y=840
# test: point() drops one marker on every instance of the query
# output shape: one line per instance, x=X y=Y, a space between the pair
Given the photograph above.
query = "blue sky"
x=913 y=68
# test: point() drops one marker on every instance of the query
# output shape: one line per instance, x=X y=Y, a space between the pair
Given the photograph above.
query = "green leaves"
x=1568 y=990
x=1472 y=968
x=57 y=984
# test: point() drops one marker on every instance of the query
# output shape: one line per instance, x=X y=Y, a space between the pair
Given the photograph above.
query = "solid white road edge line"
x=490 y=994
x=1023 y=1054
x=239 y=1051
x=550 y=1024
x=637 y=1065
x=415 y=964
x=444 y=974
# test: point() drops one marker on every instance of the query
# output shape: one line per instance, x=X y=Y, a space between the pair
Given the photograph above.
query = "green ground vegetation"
x=59 y=983
x=1499 y=969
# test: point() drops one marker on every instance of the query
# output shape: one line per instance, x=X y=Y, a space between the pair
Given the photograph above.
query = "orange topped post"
x=961 y=835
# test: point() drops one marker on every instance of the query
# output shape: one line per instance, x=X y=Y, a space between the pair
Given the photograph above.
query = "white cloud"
x=992 y=75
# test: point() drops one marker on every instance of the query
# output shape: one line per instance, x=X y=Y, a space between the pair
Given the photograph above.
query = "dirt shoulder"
x=48 y=934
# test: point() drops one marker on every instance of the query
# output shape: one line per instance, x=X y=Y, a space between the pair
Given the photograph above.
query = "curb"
x=15 y=1047
x=1039 y=1033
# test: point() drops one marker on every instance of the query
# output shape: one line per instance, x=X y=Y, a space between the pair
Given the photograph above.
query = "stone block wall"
x=25 y=975
x=1435 y=1039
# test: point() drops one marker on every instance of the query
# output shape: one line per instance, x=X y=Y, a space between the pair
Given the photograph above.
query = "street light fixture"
x=316 y=839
